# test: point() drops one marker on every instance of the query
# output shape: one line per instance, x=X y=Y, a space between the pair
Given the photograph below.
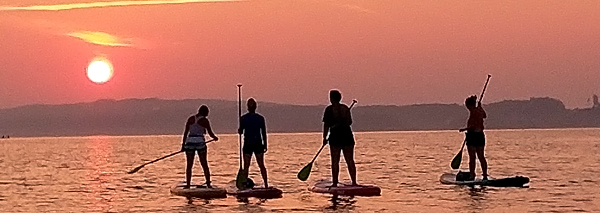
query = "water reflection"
x=477 y=197
x=99 y=175
x=341 y=203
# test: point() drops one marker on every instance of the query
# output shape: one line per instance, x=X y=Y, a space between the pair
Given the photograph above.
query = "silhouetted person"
x=336 y=121
x=253 y=126
x=194 y=142
x=595 y=101
x=475 y=137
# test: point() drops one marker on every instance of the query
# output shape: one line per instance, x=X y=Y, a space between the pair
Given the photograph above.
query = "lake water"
x=88 y=174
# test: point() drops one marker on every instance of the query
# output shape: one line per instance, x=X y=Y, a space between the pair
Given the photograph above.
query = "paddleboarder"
x=336 y=123
x=194 y=142
x=475 y=137
x=254 y=129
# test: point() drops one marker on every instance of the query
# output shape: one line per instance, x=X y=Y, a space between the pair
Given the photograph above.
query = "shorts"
x=476 y=139
x=195 y=147
x=342 y=148
x=341 y=137
x=341 y=140
x=257 y=148
x=193 y=151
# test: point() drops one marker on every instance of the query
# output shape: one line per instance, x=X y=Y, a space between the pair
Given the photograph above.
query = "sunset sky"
x=377 y=51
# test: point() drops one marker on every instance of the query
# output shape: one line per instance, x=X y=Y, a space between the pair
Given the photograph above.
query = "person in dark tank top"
x=338 y=133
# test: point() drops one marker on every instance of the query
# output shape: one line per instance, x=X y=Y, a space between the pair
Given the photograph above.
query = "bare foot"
x=333 y=185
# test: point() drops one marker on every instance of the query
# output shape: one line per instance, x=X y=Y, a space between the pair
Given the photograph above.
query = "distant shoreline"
x=166 y=117
x=316 y=133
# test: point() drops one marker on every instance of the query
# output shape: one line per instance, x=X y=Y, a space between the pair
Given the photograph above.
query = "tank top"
x=195 y=138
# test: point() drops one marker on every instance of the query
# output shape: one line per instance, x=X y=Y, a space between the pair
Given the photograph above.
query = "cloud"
x=101 y=38
x=71 y=6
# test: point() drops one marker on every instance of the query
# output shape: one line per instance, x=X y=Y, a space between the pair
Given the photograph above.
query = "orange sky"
x=377 y=51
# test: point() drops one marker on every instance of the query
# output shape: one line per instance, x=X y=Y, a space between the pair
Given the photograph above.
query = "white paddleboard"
x=198 y=191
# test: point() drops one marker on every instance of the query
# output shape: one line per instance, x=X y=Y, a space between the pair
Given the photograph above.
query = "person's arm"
x=483 y=114
x=349 y=117
x=206 y=124
x=326 y=124
x=469 y=123
x=241 y=127
x=325 y=131
x=264 y=132
x=185 y=132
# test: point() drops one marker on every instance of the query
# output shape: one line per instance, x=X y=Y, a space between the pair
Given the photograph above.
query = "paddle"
x=305 y=172
x=136 y=169
x=455 y=164
x=241 y=176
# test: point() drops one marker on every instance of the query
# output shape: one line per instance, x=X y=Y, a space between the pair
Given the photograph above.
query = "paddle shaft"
x=161 y=158
x=240 y=119
x=484 y=87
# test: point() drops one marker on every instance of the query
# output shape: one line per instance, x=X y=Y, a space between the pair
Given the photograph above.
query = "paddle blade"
x=136 y=169
x=455 y=164
x=305 y=172
x=240 y=179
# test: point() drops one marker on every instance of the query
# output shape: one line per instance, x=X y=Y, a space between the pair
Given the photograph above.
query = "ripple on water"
x=405 y=165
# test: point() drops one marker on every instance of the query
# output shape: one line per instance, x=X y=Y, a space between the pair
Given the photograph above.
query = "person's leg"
x=260 y=159
x=349 y=157
x=480 y=150
x=202 y=154
x=247 y=161
x=189 y=155
x=472 y=159
x=335 y=163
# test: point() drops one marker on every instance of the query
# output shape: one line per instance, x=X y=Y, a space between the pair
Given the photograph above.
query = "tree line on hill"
x=167 y=117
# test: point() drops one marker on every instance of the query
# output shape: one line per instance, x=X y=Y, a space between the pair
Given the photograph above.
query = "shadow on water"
x=477 y=196
x=246 y=206
x=341 y=203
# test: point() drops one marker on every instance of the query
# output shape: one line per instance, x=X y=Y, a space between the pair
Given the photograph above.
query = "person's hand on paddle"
x=324 y=141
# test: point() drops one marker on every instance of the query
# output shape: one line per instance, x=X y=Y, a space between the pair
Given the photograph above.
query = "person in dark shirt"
x=252 y=125
x=336 y=121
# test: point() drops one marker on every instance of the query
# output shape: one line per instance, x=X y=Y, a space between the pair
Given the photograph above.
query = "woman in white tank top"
x=194 y=142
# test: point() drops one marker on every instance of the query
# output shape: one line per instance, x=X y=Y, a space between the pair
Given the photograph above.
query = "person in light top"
x=194 y=142
x=475 y=137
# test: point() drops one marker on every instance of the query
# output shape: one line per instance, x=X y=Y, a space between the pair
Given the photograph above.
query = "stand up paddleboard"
x=257 y=192
x=198 y=191
x=516 y=181
x=323 y=186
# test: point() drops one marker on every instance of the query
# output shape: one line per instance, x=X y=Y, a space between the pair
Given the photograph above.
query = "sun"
x=99 y=71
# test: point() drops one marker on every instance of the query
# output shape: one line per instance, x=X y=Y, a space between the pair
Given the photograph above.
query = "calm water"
x=88 y=174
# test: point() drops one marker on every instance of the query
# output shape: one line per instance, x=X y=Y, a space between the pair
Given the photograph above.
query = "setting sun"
x=99 y=71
